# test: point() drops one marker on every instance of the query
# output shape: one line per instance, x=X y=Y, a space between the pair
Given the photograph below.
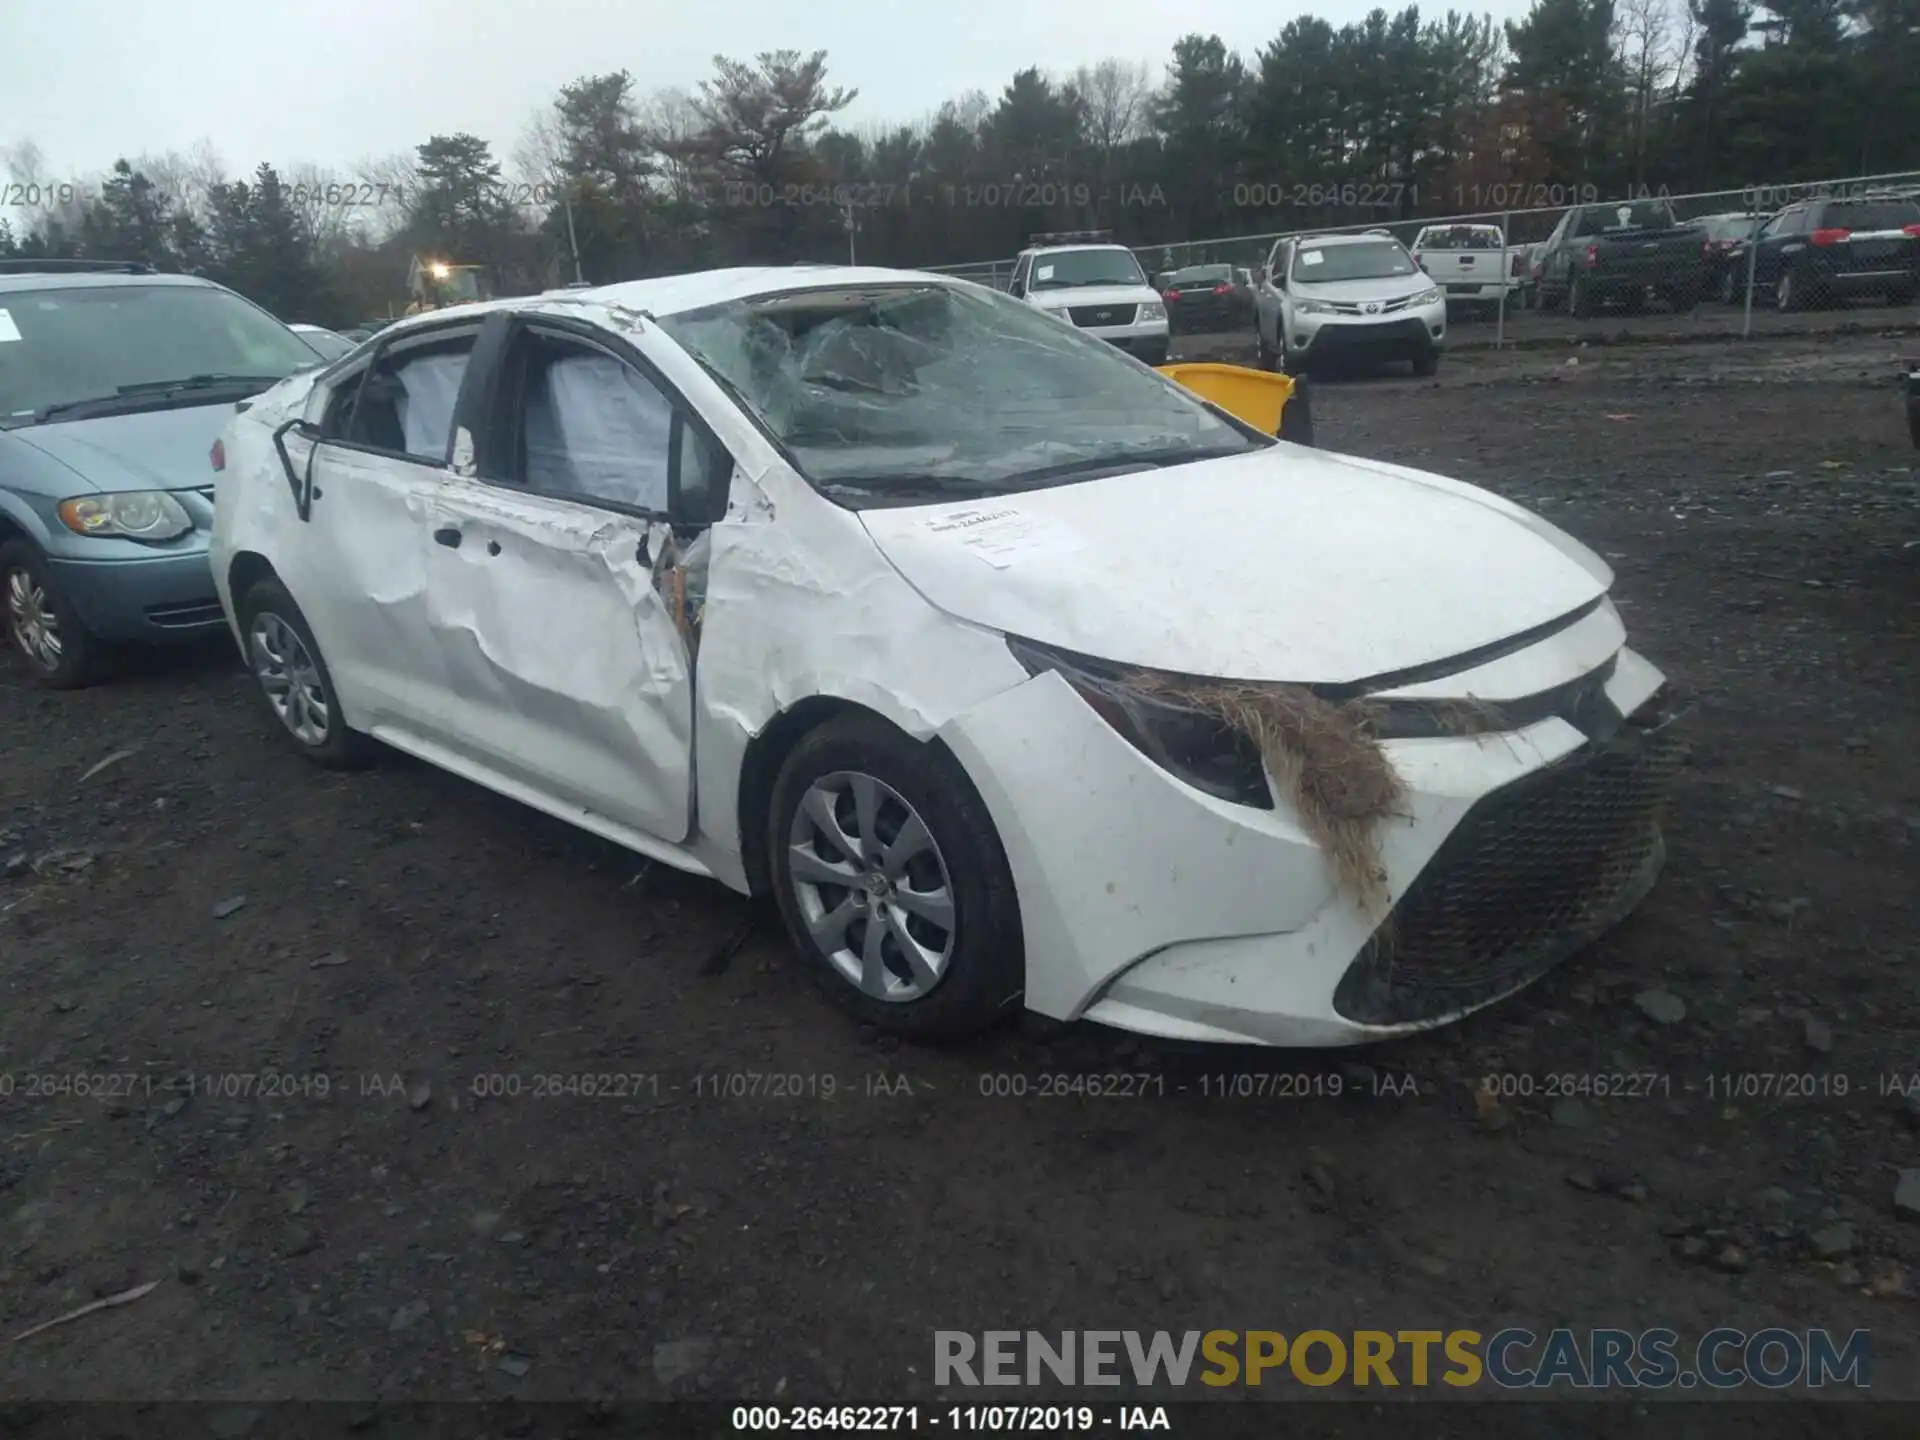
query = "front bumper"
x=1404 y=335
x=1152 y=907
x=164 y=599
x=1475 y=292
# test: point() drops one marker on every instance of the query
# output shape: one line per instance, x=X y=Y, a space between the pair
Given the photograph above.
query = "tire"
x=278 y=640
x=1680 y=301
x=1427 y=365
x=41 y=623
x=1580 y=300
x=1729 y=289
x=1786 y=293
x=978 y=977
x=1901 y=297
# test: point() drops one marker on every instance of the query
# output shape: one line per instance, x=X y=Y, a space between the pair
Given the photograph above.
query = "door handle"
x=448 y=537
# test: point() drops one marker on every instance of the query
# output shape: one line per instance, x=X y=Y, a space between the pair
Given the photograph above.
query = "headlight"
x=1429 y=296
x=1153 y=310
x=1312 y=307
x=1198 y=748
x=1211 y=755
x=132 y=515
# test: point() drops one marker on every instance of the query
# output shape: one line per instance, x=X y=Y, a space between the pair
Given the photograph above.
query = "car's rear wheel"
x=294 y=680
x=1901 y=297
x=1580 y=299
x=42 y=623
x=892 y=882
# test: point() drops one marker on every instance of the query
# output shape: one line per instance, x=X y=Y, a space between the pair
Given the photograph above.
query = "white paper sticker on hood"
x=8 y=330
x=1001 y=536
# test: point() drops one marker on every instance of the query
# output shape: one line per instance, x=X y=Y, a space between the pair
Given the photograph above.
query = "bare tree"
x=1644 y=38
x=395 y=181
x=61 y=201
x=185 y=178
x=538 y=153
x=1115 y=93
x=672 y=122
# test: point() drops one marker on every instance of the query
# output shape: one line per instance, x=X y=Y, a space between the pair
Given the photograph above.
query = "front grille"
x=1395 y=334
x=1378 y=307
x=1102 y=314
x=1533 y=873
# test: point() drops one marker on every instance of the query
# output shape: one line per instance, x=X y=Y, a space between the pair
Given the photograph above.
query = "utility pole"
x=573 y=240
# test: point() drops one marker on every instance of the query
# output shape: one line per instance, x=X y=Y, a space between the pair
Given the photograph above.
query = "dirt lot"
x=211 y=916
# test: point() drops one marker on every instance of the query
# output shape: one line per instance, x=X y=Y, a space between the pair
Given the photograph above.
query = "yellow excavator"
x=433 y=284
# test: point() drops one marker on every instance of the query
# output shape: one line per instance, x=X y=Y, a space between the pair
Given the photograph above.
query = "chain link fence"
x=1799 y=256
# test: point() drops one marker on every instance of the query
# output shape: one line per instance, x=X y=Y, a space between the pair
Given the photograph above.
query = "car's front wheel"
x=892 y=882
x=42 y=623
x=1427 y=363
x=294 y=680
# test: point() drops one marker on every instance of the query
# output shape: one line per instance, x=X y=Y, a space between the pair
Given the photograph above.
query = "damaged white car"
x=1012 y=671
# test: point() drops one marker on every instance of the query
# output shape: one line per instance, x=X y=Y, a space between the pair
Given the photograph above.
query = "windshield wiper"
x=198 y=382
x=892 y=487
x=149 y=388
x=1134 y=460
x=63 y=407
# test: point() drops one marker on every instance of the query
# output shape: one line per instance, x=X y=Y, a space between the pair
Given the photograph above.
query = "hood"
x=1285 y=565
x=1391 y=288
x=1077 y=295
x=153 y=450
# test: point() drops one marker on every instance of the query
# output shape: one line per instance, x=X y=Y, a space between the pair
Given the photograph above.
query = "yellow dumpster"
x=1258 y=397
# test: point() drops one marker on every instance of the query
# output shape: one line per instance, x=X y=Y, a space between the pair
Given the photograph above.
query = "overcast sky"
x=334 y=82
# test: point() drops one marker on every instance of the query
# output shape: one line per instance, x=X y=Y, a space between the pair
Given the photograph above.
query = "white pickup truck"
x=1472 y=264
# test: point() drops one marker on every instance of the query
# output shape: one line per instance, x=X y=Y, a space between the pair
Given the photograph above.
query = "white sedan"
x=1011 y=670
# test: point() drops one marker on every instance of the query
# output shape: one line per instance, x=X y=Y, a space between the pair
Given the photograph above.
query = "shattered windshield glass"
x=899 y=391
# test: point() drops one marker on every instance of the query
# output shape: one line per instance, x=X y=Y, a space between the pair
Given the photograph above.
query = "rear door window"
x=403 y=405
x=1871 y=214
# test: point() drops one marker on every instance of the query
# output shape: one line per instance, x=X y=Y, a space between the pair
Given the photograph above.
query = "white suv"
x=1101 y=289
x=1357 y=297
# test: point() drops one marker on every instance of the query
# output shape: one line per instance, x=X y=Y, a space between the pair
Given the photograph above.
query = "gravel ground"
x=219 y=925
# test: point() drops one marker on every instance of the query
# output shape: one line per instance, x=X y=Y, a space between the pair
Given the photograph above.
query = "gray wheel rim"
x=36 y=629
x=872 y=886
x=290 y=678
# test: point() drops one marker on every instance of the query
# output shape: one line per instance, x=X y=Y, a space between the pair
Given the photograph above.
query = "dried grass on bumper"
x=1326 y=757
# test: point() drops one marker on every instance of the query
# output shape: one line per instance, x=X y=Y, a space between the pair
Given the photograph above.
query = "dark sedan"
x=1203 y=298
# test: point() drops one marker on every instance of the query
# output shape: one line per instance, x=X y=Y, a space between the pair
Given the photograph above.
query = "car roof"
x=1084 y=245
x=671 y=295
x=13 y=282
